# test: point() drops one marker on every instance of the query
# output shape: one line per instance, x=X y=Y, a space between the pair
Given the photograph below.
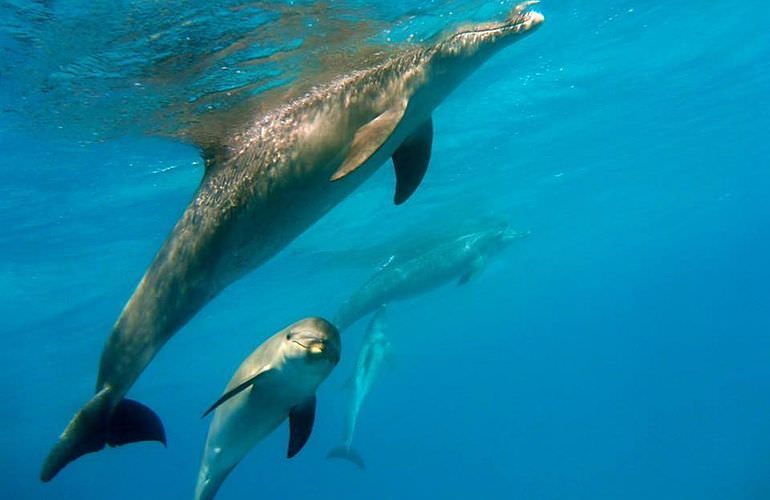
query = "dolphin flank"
x=265 y=183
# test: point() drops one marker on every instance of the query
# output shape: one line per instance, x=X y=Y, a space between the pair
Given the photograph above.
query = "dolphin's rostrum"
x=265 y=183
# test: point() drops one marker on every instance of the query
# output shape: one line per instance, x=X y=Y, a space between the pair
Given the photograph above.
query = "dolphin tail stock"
x=351 y=311
x=98 y=424
x=345 y=317
x=209 y=483
x=349 y=454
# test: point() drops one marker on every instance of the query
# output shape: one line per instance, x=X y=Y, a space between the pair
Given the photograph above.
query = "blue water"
x=621 y=351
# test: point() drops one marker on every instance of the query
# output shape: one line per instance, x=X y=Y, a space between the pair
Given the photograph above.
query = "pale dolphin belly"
x=237 y=428
x=231 y=436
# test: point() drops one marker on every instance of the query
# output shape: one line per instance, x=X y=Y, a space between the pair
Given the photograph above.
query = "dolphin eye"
x=288 y=336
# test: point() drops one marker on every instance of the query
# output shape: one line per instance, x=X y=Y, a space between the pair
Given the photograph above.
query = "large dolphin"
x=458 y=259
x=264 y=184
x=277 y=381
x=374 y=351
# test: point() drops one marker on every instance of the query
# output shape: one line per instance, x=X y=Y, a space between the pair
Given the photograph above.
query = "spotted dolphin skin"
x=264 y=184
x=459 y=259
x=374 y=351
x=277 y=381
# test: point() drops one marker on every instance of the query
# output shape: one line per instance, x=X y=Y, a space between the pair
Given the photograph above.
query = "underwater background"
x=619 y=351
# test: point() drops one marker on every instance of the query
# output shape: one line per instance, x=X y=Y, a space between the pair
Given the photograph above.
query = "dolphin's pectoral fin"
x=301 y=419
x=369 y=138
x=235 y=391
x=465 y=278
x=132 y=422
x=476 y=267
x=411 y=161
x=212 y=154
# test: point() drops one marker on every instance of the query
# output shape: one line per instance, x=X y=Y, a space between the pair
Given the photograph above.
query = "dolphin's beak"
x=533 y=19
x=519 y=22
x=314 y=348
x=510 y=235
x=518 y=15
x=522 y=21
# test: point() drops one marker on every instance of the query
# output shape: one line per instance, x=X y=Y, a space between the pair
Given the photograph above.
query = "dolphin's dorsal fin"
x=236 y=390
x=301 y=419
x=369 y=138
x=213 y=154
x=411 y=161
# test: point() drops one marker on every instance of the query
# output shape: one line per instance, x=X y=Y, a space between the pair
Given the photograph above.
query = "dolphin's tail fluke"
x=98 y=424
x=348 y=454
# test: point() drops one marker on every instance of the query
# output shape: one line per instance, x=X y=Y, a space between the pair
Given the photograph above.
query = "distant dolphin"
x=373 y=353
x=459 y=259
x=424 y=230
x=277 y=381
x=265 y=184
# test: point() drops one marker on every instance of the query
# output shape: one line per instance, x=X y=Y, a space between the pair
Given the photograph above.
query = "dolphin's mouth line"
x=504 y=27
x=314 y=348
x=518 y=20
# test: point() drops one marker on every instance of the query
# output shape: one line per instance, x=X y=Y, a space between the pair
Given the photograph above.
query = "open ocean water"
x=622 y=350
